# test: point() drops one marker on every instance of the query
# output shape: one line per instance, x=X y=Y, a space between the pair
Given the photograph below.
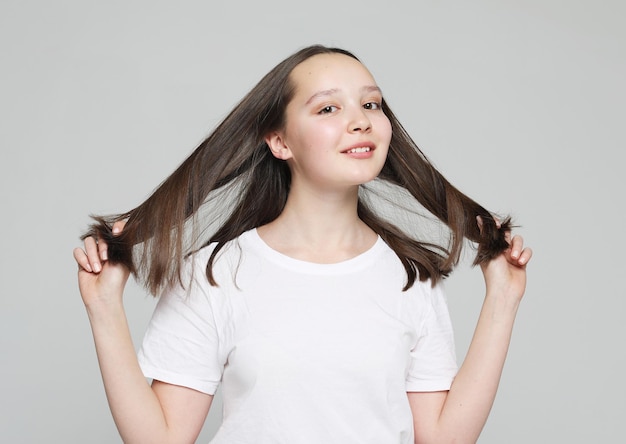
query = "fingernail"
x=104 y=255
x=116 y=230
x=96 y=268
x=515 y=254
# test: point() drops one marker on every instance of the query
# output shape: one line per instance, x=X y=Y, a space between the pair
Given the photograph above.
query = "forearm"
x=134 y=405
x=473 y=391
x=459 y=415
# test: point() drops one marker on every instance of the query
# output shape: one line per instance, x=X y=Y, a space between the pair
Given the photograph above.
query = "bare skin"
x=318 y=224
x=157 y=413
x=459 y=415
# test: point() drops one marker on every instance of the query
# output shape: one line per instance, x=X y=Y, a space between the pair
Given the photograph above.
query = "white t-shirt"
x=305 y=352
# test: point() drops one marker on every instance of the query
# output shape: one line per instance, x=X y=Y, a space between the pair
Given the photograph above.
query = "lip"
x=369 y=145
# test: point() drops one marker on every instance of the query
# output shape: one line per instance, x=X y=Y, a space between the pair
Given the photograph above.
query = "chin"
x=362 y=179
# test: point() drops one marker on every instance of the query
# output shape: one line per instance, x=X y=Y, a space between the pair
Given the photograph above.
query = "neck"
x=319 y=227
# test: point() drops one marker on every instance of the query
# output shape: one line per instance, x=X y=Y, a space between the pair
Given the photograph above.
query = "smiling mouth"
x=362 y=149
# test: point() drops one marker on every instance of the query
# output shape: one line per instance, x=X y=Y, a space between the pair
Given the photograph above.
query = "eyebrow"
x=330 y=92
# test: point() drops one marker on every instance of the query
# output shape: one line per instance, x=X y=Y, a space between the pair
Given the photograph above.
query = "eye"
x=372 y=105
x=328 y=109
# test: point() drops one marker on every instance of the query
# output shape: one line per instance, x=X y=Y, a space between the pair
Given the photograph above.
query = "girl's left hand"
x=505 y=275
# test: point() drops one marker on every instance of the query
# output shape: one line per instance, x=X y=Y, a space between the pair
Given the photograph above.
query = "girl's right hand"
x=99 y=281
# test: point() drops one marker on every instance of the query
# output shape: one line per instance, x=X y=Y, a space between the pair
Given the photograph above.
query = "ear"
x=276 y=141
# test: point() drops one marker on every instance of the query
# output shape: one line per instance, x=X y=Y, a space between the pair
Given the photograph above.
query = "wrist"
x=105 y=308
x=499 y=306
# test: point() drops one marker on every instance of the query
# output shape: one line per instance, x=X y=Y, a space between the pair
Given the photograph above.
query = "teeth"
x=363 y=149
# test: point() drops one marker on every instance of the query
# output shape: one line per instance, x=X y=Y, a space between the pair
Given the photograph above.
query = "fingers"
x=103 y=247
x=118 y=226
x=479 y=221
x=524 y=256
x=507 y=237
x=81 y=259
x=86 y=258
x=95 y=251
x=103 y=250
x=519 y=254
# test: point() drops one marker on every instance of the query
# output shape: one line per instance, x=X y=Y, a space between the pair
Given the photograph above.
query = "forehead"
x=330 y=71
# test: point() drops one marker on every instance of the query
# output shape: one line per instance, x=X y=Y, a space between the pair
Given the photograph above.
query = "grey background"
x=521 y=104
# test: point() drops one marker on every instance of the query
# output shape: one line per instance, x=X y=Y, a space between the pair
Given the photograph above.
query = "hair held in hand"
x=235 y=161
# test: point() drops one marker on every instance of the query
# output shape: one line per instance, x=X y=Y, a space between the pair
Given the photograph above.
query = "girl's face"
x=336 y=134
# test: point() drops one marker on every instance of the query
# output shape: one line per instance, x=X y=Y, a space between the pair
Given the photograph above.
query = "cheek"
x=385 y=129
x=321 y=136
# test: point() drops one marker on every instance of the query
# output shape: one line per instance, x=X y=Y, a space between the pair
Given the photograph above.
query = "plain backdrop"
x=521 y=104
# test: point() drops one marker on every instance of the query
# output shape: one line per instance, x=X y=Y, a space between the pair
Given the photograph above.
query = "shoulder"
x=225 y=260
x=226 y=251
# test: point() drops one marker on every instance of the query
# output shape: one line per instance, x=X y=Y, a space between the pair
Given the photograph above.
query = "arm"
x=459 y=414
x=161 y=413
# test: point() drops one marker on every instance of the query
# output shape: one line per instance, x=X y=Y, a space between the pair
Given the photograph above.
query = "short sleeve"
x=433 y=364
x=181 y=344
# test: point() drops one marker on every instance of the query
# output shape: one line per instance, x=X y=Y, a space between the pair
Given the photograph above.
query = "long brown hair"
x=235 y=158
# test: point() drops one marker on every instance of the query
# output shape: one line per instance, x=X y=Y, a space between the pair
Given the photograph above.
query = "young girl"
x=323 y=321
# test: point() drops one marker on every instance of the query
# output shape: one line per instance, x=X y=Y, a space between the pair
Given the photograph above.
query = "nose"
x=359 y=121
